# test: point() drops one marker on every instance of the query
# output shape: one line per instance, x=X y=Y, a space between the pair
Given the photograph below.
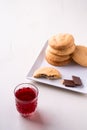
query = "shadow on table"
x=40 y=118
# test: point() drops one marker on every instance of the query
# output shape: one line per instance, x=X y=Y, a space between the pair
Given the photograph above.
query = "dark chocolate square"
x=69 y=83
x=77 y=80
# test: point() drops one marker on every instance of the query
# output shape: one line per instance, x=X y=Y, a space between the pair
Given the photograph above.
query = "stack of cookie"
x=59 y=49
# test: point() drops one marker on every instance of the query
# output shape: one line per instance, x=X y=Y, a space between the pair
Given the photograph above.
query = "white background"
x=25 y=25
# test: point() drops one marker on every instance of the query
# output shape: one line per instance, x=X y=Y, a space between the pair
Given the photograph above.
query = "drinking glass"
x=26 y=97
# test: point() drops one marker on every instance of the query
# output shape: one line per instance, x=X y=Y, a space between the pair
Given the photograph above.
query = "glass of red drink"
x=26 y=96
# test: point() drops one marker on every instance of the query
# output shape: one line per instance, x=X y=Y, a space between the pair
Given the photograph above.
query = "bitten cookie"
x=61 y=41
x=80 y=55
x=47 y=72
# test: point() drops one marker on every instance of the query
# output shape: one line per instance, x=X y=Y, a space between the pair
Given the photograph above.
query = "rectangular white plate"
x=66 y=71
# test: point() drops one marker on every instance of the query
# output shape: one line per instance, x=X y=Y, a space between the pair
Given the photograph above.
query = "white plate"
x=66 y=71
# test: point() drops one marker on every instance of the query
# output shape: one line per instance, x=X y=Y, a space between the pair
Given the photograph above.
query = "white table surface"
x=25 y=25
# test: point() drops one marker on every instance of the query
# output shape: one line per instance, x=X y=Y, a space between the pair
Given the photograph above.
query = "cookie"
x=55 y=63
x=56 y=58
x=47 y=72
x=62 y=52
x=61 y=41
x=80 y=55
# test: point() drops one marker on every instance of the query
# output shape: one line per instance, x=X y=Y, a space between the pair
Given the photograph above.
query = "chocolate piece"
x=69 y=83
x=77 y=80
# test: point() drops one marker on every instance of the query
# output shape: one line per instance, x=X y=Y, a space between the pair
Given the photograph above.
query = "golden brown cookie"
x=47 y=72
x=55 y=63
x=61 y=41
x=80 y=55
x=56 y=58
x=62 y=52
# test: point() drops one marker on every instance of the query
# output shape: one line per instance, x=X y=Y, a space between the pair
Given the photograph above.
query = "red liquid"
x=26 y=100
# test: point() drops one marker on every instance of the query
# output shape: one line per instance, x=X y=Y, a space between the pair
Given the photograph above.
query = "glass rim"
x=25 y=86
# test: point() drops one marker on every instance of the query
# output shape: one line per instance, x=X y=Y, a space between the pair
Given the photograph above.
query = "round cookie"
x=56 y=58
x=63 y=52
x=61 y=41
x=54 y=63
x=80 y=55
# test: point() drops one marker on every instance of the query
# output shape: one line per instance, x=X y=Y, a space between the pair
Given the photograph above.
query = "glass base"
x=27 y=115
